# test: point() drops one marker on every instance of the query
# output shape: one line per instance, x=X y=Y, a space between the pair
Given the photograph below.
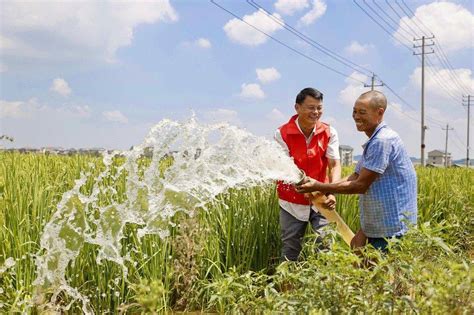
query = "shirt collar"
x=377 y=129
x=299 y=128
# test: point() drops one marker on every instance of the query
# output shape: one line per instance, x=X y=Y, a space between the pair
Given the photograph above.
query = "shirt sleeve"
x=332 y=151
x=377 y=155
x=279 y=139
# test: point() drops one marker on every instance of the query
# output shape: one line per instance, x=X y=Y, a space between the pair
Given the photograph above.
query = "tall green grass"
x=226 y=258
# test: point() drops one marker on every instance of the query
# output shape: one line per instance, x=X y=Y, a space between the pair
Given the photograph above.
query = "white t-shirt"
x=301 y=212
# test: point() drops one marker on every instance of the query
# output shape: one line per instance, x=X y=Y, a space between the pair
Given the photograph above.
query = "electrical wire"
x=286 y=45
x=312 y=42
x=381 y=26
x=438 y=43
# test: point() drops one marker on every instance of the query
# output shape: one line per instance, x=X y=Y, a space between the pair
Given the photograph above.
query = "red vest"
x=310 y=158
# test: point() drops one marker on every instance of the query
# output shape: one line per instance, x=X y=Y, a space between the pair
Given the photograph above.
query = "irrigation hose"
x=318 y=199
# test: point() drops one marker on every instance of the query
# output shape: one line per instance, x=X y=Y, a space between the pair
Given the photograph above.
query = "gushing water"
x=205 y=161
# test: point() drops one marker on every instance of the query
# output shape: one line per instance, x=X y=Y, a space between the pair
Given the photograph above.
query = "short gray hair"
x=376 y=99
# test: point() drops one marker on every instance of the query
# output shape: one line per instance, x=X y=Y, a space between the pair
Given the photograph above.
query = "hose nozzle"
x=302 y=177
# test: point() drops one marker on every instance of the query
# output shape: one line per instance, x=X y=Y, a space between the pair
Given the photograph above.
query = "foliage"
x=225 y=259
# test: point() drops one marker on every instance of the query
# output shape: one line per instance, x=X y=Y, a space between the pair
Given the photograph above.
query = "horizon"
x=118 y=69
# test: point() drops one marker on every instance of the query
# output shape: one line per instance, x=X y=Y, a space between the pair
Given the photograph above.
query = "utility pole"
x=446 y=145
x=423 y=53
x=372 y=85
x=468 y=122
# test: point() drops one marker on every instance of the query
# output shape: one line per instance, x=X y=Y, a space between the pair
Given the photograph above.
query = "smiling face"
x=309 y=111
x=366 y=116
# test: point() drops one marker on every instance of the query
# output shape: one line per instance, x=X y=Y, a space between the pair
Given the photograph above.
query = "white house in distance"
x=438 y=158
x=345 y=152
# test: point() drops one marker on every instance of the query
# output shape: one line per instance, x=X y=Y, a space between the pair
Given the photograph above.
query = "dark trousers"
x=380 y=243
x=293 y=230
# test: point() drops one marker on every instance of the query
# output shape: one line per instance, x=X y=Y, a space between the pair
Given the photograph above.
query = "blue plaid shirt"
x=389 y=205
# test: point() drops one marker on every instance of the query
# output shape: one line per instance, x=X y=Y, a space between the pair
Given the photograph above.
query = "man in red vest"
x=314 y=146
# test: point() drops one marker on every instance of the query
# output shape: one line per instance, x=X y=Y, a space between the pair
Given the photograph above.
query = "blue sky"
x=100 y=74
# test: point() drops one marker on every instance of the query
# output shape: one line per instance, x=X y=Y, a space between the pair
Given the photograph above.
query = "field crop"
x=226 y=259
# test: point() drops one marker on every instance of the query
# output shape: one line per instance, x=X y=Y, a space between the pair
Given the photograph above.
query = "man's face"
x=366 y=117
x=310 y=111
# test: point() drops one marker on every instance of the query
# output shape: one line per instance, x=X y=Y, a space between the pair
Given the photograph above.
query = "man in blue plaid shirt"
x=384 y=177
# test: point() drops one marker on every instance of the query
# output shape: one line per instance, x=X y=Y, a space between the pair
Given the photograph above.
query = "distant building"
x=345 y=152
x=438 y=158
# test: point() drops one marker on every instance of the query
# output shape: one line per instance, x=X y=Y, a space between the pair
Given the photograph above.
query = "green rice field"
x=226 y=259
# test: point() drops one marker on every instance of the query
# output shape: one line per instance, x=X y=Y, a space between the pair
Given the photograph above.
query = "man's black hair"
x=308 y=92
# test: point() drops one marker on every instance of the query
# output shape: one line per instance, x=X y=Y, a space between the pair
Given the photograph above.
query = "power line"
x=450 y=71
x=456 y=144
x=459 y=82
x=385 y=21
x=287 y=46
x=306 y=38
x=458 y=138
x=413 y=14
x=312 y=42
x=414 y=33
x=390 y=17
x=439 y=80
x=381 y=26
x=436 y=75
x=446 y=60
x=404 y=113
x=434 y=121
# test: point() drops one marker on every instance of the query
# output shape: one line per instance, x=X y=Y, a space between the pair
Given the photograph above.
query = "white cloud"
x=242 y=33
x=276 y=116
x=290 y=7
x=451 y=23
x=115 y=116
x=203 y=43
x=267 y=75
x=442 y=76
x=18 y=109
x=224 y=115
x=61 y=87
x=75 y=29
x=7 y=43
x=82 y=111
x=252 y=91
x=35 y=124
x=353 y=90
x=319 y=8
x=355 y=48
x=17 y=47
x=31 y=108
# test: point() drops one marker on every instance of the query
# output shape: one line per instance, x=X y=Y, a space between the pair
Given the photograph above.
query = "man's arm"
x=334 y=170
x=355 y=184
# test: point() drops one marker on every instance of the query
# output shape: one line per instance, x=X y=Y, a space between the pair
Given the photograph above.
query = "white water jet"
x=207 y=160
